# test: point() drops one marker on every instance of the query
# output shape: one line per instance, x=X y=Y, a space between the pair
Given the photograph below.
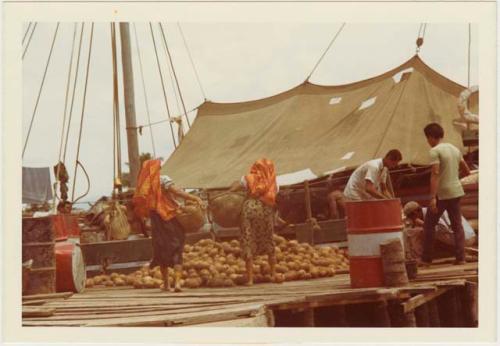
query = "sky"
x=235 y=62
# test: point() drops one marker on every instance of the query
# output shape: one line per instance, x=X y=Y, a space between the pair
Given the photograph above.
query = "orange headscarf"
x=148 y=195
x=261 y=181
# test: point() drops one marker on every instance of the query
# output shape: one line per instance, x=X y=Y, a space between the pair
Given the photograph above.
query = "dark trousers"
x=452 y=206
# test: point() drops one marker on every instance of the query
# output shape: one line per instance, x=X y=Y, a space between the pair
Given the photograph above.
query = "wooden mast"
x=128 y=86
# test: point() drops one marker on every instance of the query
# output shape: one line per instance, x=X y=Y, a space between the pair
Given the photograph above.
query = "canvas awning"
x=321 y=128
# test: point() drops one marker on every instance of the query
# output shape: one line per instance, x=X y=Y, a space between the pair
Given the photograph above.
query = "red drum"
x=70 y=267
x=369 y=223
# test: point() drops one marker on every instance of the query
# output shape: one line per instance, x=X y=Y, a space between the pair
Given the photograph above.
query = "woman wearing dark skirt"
x=155 y=197
x=257 y=215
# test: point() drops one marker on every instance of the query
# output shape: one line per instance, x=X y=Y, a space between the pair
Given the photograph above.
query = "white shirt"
x=373 y=171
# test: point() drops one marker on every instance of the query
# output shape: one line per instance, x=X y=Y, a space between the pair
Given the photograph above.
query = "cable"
x=420 y=37
x=323 y=55
x=144 y=88
x=26 y=32
x=162 y=84
x=83 y=111
x=175 y=75
x=41 y=88
x=192 y=63
x=73 y=94
x=161 y=121
x=67 y=92
x=29 y=40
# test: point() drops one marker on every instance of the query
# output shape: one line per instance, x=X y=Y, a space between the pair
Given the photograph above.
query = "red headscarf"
x=261 y=181
x=148 y=194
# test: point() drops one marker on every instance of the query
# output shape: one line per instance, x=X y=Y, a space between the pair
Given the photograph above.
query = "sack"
x=225 y=208
x=191 y=218
x=119 y=226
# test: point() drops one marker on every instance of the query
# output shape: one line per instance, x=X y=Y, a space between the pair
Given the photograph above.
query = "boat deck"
x=258 y=305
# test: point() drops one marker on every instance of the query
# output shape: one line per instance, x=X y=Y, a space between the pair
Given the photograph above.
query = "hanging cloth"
x=36 y=185
x=149 y=196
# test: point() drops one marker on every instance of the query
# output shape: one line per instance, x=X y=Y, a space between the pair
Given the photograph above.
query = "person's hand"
x=433 y=205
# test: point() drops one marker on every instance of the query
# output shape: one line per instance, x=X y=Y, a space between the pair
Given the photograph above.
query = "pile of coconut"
x=219 y=264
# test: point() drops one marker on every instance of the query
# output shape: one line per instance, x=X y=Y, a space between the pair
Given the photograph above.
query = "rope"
x=29 y=40
x=83 y=111
x=420 y=37
x=140 y=127
x=324 y=53
x=26 y=32
x=144 y=89
x=192 y=63
x=41 y=88
x=67 y=93
x=162 y=85
x=73 y=94
x=468 y=58
x=175 y=75
x=65 y=110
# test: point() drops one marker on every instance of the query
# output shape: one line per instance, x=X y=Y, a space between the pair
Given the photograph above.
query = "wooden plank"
x=231 y=312
x=260 y=320
x=61 y=295
x=414 y=302
x=30 y=311
x=34 y=302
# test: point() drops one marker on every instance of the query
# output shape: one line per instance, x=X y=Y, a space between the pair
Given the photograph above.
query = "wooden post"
x=309 y=219
x=398 y=317
x=434 y=320
x=128 y=85
x=309 y=317
x=447 y=307
x=422 y=315
x=380 y=315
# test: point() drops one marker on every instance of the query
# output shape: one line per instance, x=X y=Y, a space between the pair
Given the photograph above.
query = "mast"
x=128 y=86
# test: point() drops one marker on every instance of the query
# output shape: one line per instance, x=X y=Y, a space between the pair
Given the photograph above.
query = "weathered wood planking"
x=235 y=306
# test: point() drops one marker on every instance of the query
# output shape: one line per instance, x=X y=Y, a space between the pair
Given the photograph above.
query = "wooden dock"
x=321 y=302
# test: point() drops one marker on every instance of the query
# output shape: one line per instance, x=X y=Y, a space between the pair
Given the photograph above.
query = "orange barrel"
x=70 y=267
x=370 y=223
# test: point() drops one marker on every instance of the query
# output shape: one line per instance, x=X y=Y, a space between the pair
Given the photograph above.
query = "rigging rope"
x=144 y=89
x=29 y=40
x=41 y=88
x=68 y=82
x=192 y=63
x=175 y=75
x=163 y=85
x=83 y=112
x=58 y=172
x=323 y=55
x=73 y=94
x=420 y=37
x=26 y=32
x=139 y=127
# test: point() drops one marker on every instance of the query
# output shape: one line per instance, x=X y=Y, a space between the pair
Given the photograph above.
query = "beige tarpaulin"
x=321 y=128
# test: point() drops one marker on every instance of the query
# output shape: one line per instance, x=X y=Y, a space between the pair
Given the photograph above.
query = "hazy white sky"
x=235 y=62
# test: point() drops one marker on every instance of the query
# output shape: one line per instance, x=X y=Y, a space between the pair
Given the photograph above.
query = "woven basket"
x=192 y=218
x=226 y=208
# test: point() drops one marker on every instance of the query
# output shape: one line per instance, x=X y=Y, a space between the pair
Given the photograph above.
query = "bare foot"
x=249 y=283
x=178 y=289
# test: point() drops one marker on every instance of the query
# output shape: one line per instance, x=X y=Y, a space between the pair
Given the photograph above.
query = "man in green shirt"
x=446 y=191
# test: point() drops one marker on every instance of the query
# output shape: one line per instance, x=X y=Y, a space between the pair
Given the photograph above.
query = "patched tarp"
x=320 y=128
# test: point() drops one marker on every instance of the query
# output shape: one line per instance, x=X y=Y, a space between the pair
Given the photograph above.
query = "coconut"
x=89 y=283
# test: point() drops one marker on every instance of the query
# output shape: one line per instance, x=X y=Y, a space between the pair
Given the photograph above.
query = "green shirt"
x=448 y=157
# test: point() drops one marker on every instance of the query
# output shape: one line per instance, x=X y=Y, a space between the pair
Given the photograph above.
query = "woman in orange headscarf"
x=257 y=216
x=154 y=198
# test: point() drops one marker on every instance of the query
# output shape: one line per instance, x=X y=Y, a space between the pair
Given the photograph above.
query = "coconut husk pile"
x=219 y=264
